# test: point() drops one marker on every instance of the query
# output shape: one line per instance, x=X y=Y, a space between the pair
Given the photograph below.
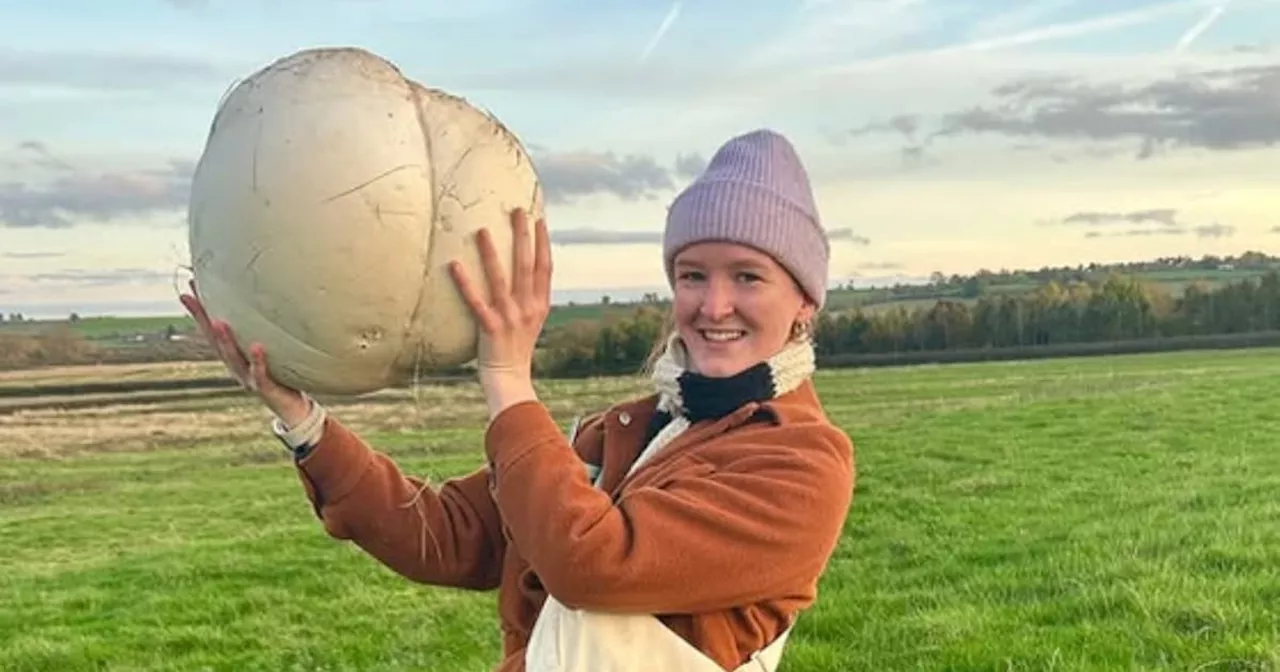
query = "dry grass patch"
x=67 y=426
x=113 y=372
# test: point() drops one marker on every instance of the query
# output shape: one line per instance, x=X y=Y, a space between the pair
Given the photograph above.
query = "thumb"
x=260 y=378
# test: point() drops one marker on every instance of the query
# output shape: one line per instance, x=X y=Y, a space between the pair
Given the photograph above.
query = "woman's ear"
x=807 y=311
x=803 y=325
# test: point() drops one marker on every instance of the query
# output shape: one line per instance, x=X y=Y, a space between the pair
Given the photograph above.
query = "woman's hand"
x=512 y=319
x=288 y=404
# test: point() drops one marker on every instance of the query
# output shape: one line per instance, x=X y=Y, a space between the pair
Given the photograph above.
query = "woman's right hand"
x=288 y=404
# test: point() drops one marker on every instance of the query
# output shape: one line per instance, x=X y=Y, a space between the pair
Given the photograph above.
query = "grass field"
x=1092 y=514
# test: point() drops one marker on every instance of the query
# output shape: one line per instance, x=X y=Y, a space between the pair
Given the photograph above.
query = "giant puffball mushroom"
x=330 y=197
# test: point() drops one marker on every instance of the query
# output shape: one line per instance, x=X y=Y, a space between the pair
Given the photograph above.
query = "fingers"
x=218 y=334
x=229 y=352
x=193 y=305
x=528 y=293
x=542 y=263
x=206 y=327
x=259 y=379
x=257 y=368
x=250 y=372
x=287 y=403
x=499 y=289
x=471 y=295
x=522 y=257
x=192 y=301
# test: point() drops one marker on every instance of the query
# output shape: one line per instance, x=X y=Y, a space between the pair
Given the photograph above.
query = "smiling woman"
x=683 y=531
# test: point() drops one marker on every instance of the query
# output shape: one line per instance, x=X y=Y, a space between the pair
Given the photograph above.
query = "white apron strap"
x=574 y=640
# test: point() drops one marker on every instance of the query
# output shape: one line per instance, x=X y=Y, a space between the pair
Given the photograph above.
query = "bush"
x=59 y=345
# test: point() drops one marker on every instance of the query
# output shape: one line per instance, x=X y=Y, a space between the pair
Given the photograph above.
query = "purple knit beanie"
x=754 y=192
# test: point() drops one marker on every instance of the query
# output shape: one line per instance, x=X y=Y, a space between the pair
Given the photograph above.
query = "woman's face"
x=734 y=306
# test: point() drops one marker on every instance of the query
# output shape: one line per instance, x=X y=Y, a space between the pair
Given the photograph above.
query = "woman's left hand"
x=511 y=320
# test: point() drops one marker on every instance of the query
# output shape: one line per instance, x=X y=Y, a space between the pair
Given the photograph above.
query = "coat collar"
x=624 y=427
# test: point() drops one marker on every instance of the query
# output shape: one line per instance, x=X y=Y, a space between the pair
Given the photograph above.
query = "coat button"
x=624 y=418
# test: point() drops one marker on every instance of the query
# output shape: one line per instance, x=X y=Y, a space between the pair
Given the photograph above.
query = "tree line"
x=972 y=286
x=1093 y=315
x=1052 y=317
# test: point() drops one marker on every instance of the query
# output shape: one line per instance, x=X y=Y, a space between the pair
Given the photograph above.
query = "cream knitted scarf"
x=687 y=397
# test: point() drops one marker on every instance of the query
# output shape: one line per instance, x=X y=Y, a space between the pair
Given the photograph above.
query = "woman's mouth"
x=722 y=335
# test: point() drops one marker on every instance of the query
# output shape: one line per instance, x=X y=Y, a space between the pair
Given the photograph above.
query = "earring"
x=800 y=330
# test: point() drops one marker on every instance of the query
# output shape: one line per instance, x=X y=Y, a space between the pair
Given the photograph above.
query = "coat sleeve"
x=760 y=527
x=448 y=535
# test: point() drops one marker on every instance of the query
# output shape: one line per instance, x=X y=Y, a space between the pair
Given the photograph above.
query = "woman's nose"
x=717 y=302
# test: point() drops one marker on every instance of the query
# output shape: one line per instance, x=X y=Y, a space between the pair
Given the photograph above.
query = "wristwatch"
x=303 y=438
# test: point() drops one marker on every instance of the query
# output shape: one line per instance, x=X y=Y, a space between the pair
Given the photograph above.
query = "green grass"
x=1093 y=514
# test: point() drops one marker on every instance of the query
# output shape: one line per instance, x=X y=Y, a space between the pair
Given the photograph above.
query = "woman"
x=684 y=531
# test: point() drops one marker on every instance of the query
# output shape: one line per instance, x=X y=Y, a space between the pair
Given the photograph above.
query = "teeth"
x=722 y=335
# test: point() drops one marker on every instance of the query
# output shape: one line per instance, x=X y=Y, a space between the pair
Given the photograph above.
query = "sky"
x=939 y=135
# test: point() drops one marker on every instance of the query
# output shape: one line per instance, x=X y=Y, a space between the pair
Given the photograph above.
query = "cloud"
x=826 y=29
x=75 y=194
x=567 y=176
x=39 y=156
x=879 y=266
x=109 y=71
x=690 y=166
x=1129 y=233
x=1164 y=222
x=1165 y=216
x=1019 y=34
x=1215 y=230
x=101 y=278
x=1018 y=18
x=1254 y=48
x=847 y=235
x=905 y=125
x=850 y=54
x=1077 y=28
x=912 y=152
x=1219 y=110
x=784 y=59
x=605 y=237
x=616 y=237
x=32 y=255
x=69 y=193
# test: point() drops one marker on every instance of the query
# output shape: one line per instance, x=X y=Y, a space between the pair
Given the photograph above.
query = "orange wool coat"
x=722 y=535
